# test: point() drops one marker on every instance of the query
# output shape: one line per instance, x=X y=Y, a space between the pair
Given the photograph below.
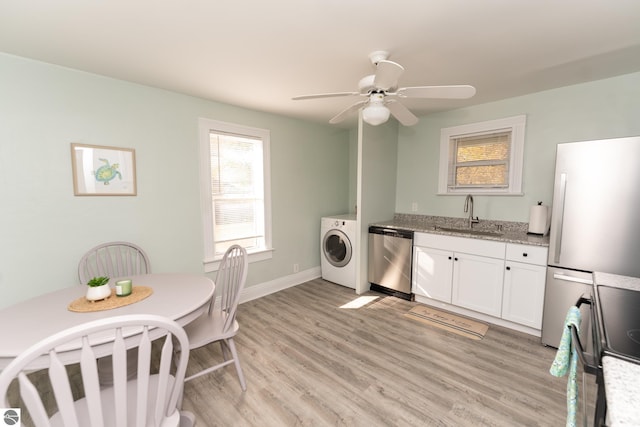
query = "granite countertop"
x=621 y=378
x=616 y=281
x=501 y=231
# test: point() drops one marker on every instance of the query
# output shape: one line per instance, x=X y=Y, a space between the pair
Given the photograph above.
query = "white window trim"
x=517 y=126
x=205 y=126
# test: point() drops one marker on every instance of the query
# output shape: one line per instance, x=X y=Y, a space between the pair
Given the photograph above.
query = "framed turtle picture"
x=103 y=171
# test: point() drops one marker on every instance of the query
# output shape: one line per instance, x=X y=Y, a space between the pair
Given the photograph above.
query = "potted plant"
x=98 y=288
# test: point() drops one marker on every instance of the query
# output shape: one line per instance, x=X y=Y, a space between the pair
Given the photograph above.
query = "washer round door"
x=337 y=248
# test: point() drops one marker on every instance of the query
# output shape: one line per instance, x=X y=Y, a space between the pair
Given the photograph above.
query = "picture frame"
x=103 y=171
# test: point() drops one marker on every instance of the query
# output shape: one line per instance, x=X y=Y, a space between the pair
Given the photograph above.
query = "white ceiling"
x=258 y=54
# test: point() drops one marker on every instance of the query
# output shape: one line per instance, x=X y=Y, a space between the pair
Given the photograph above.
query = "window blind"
x=480 y=160
x=237 y=191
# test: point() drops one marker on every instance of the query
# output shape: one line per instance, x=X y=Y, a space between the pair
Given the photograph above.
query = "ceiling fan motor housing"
x=365 y=85
x=376 y=98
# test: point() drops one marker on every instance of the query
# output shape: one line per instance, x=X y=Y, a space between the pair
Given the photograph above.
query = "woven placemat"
x=82 y=305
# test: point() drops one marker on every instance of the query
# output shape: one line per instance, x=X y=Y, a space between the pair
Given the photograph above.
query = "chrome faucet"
x=468 y=207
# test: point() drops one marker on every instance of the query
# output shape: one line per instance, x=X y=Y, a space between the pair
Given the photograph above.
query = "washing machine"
x=338 y=250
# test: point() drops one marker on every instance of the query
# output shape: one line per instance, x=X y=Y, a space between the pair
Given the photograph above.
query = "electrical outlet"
x=414 y=207
x=296 y=268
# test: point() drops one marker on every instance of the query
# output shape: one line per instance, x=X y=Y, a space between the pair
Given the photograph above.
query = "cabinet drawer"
x=481 y=247
x=527 y=253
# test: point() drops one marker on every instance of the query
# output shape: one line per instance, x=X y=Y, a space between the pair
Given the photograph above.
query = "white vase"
x=95 y=293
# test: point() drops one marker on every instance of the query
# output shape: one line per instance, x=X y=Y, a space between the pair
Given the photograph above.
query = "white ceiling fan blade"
x=325 y=95
x=451 y=91
x=387 y=74
x=401 y=113
x=347 y=112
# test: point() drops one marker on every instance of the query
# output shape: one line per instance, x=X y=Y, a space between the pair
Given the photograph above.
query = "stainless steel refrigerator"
x=595 y=223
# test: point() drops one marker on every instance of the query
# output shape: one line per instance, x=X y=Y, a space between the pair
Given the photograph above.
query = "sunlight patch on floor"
x=360 y=301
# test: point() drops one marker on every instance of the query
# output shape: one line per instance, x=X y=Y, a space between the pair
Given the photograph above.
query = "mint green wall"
x=600 y=109
x=45 y=229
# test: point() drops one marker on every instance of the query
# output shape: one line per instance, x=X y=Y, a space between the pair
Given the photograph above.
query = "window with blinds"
x=482 y=158
x=235 y=190
x=481 y=161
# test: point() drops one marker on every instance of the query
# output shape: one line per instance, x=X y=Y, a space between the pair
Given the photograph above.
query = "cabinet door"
x=523 y=296
x=477 y=283
x=432 y=272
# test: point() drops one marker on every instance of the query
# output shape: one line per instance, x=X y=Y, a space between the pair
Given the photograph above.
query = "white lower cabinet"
x=432 y=273
x=477 y=283
x=495 y=278
x=524 y=282
x=460 y=271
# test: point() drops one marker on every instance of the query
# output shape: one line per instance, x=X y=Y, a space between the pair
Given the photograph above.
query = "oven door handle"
x=591 y=365
x=587 y=360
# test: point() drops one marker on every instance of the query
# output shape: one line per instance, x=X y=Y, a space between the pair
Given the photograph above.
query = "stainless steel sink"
x=469 y=231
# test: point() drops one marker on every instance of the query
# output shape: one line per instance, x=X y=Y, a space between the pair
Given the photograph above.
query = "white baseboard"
x=266 y=288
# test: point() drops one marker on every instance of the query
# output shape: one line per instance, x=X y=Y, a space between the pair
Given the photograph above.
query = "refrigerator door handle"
x=559 y=222
x=559 y=276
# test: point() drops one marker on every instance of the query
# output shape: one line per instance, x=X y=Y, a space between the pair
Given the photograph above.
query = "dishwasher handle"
x=391 y=232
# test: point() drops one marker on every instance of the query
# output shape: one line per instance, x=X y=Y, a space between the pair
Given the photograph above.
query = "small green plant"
x=98 y=281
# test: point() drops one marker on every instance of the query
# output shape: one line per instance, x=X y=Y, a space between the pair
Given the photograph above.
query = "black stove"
x=615 y=331
x=618 y=320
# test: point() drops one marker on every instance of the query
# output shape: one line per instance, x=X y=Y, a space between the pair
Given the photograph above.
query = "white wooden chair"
x=113 y=259
x=219 y=324
x=147 y=400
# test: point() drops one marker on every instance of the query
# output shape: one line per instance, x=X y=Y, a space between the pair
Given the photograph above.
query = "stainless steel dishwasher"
x=390 y=253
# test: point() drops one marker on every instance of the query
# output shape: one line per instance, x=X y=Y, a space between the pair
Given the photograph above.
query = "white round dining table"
x=181 y=297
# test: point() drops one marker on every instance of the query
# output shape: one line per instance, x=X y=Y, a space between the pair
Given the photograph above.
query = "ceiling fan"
x=381 y=92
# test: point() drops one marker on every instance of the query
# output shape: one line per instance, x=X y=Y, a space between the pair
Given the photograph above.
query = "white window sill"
x=254 y=256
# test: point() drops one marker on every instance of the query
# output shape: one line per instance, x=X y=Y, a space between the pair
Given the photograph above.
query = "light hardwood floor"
x=310 y=362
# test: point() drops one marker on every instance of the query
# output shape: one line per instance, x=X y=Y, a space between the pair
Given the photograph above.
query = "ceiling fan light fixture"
x=375 y=113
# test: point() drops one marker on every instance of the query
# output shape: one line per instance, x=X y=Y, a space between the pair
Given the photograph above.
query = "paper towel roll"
x=539 y=219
